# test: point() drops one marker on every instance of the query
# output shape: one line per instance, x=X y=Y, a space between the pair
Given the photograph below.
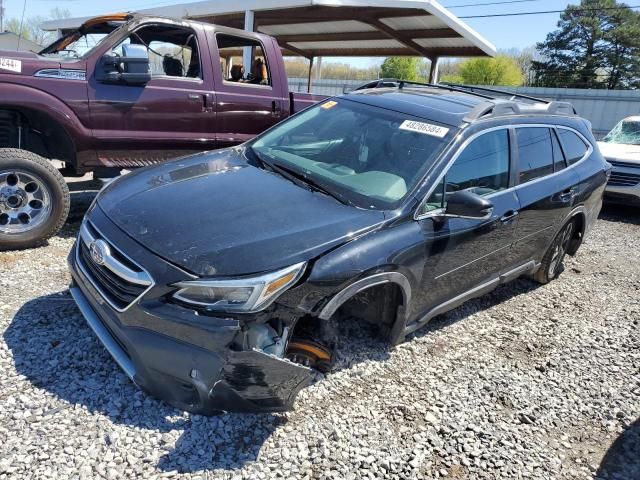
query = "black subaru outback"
x=209 y=278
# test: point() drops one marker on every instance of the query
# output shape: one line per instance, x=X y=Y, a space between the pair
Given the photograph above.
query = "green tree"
x=403 y=68
x=596 y=45
x=13 y=25
x=501 y=70
x=31 y=26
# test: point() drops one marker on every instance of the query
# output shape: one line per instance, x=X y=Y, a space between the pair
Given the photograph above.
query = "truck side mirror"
x=132 y=68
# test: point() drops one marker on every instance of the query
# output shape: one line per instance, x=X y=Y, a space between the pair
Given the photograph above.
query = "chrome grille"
x=119 y=280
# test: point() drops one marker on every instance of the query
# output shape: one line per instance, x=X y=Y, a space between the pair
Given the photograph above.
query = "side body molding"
x=377 y=279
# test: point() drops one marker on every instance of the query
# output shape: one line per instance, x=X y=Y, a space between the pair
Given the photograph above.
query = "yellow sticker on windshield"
x=328 y=105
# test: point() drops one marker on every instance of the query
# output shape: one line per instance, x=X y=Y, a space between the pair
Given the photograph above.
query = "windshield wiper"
x=313 y=184
x=298 y=178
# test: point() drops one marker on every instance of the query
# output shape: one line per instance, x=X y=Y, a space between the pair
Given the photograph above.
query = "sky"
x=503 y=32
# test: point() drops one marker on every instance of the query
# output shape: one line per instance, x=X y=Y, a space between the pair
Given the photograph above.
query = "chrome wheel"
x=25 y=201
x=560 y=249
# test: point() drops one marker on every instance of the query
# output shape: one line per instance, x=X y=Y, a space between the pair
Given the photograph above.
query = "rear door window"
x=234 y=53
x=535 y=153
x=573 y=146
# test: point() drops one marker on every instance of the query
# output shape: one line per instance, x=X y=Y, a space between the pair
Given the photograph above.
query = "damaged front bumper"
x=191 y=361
x=195 y=379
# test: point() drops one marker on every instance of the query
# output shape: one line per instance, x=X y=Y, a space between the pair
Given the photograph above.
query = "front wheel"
x=552 y=264
x=34 y=199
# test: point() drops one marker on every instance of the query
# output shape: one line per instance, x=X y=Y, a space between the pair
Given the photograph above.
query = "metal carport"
x=338 y=28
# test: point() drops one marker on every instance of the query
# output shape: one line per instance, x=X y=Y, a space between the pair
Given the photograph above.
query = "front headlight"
x=248 y=294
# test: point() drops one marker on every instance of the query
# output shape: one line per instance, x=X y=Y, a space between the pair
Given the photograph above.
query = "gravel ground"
x=527 y=382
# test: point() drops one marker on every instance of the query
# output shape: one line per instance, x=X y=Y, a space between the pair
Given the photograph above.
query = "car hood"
x=215 y=214
x=620 y=151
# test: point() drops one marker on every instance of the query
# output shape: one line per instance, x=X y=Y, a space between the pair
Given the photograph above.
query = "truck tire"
x=34 y=199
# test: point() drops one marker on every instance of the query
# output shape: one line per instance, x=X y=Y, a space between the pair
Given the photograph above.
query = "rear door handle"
x=510 y=215
x=195 y=97
x=567 y=195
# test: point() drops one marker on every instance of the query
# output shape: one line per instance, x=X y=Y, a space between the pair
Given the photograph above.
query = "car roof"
x=434 y=104
x=454 y=106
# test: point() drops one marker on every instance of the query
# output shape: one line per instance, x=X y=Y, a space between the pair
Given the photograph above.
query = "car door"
x=463 y=253
x=546 y=190
x=248 y=102
x=171 y=115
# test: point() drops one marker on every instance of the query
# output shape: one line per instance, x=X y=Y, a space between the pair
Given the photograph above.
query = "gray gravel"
x=528 y=382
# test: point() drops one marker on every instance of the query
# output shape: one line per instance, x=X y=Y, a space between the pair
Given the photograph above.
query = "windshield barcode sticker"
x=425 y=128
x=11 y=64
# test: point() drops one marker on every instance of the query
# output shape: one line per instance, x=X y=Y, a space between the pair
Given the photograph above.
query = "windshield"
x=626 y=132
x=372 y=156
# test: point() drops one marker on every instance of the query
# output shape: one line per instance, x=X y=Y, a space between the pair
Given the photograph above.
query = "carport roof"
x=325 y=28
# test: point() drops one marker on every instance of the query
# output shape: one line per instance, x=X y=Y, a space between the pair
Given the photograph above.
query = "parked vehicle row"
x=125 y=91
x=210 y=279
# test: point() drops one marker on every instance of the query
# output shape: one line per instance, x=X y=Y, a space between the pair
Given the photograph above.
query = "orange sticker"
x=328 y=105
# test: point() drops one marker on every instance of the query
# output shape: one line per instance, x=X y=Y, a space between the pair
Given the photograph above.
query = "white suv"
x=621 y=148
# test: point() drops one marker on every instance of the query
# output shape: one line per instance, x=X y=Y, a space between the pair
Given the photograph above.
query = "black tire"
x=15 y=166
x=552 y=265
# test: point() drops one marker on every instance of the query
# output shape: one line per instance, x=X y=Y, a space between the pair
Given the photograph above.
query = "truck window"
x=232 y=51
x=173 y=51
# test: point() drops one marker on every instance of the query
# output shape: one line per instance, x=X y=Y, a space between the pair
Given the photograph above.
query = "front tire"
x=34 y=199
x=552 y=265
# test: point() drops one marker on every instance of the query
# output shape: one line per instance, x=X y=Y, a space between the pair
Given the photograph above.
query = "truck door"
x=248 y=100
x=173 y=114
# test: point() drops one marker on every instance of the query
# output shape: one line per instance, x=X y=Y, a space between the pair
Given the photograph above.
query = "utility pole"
x=1 y=17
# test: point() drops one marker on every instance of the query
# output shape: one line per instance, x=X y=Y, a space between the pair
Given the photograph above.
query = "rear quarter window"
x=573 y=146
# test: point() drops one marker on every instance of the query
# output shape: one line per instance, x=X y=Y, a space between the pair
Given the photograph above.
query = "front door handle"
x=509 y=216
x=195 y=97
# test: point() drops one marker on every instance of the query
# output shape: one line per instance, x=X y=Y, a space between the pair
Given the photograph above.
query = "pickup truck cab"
x=125 y=91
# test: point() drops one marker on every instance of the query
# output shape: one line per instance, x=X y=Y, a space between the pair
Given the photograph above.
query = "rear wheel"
x=552 y=264
x=34 y=199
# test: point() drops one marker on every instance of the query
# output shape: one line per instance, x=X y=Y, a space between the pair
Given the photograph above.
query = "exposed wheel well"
x=377 y=305
x=578 y=232
x=37 y=132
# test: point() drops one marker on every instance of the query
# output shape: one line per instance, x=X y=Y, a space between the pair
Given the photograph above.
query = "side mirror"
x=132 y=68
x=465 y=204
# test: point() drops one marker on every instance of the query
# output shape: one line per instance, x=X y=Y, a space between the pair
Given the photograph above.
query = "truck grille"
x=619 y=179
x=118 y=279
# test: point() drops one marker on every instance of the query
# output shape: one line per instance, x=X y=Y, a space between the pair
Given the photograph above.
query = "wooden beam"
x=377 y=35
x=396 y=35
x=394 y=52
x=295 y=50
x=323 y=13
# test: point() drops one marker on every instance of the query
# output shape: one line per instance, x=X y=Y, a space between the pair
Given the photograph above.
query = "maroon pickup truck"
x=125 y=91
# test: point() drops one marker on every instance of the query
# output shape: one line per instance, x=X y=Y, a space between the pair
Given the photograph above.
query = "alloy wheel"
x=25 y=201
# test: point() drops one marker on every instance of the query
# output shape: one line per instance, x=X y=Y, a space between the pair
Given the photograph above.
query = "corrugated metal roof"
x=339 y=27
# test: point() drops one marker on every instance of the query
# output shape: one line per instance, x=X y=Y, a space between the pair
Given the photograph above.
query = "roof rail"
x=400 y=84
x=498 y=91
x=493 y=106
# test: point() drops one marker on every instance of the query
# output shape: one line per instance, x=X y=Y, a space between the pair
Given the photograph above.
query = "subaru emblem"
x=99 y=250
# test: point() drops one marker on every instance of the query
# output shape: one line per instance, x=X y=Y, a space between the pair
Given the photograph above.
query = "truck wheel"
x=34 y=199
x=552 y=265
